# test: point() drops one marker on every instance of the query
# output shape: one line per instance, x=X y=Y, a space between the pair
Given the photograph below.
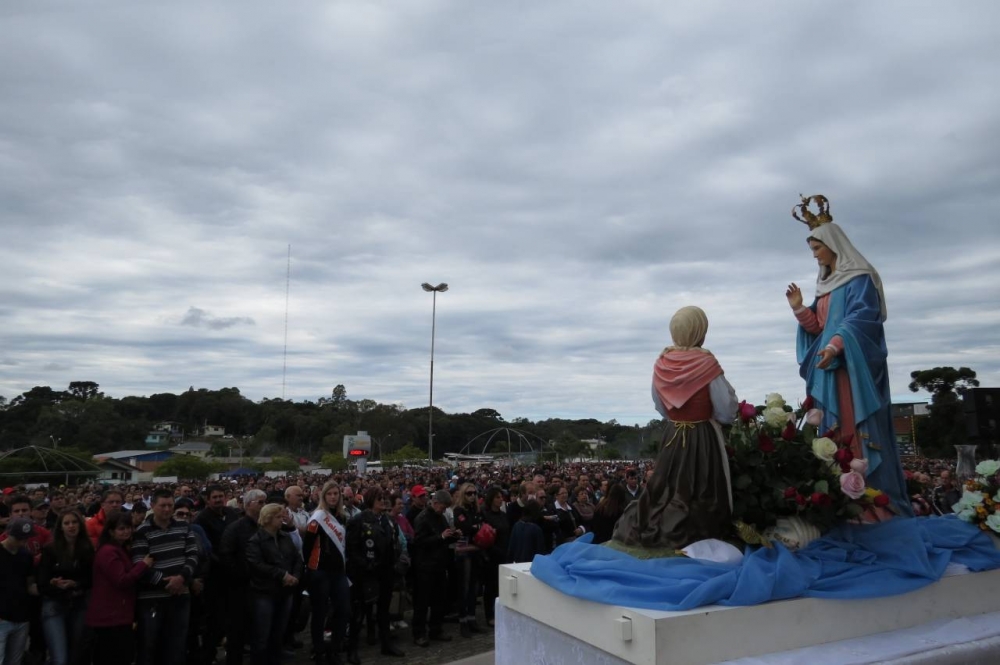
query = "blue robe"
x=854 y=314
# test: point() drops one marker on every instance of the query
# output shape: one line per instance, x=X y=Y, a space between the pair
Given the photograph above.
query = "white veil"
x=850 y=263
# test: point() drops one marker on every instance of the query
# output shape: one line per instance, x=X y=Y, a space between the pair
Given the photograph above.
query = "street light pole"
x=378 y=444
x=440 y=288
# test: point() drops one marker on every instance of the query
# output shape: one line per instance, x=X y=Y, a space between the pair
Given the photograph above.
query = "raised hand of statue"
x=794 y=296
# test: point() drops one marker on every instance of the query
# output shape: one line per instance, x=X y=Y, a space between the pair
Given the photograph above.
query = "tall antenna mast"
x=284 y=358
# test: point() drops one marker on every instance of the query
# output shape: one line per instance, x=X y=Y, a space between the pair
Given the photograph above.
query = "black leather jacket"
x=432 y=551
x=269 y=558
x=371 y=550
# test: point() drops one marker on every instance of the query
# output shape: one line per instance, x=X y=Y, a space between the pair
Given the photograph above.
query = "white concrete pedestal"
x=716 y=634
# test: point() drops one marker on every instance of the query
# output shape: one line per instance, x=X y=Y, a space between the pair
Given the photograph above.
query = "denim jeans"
x=270 y=616
x=163 y=627
x=468 y=566
x=329 y=592
x=63 y=623
x=431 y=592
x=238 y=620
x=114 y=645
x=13 y=640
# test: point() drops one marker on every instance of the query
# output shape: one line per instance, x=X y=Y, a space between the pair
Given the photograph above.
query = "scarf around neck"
x=679 y=374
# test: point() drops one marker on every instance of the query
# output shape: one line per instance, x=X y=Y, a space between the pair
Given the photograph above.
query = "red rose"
x=799 y=499
x=788 y=433
x=747 y=411
x=809 y=403
x=790 y=492
x=843 y=457
x=764 y=443
x=820 y=499
x=881 y=500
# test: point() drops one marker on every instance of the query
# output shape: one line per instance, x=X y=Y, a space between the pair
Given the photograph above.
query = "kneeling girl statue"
x=841 y=351
x=688 y=497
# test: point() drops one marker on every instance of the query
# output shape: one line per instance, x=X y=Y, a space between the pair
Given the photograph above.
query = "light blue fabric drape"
x=850 y=561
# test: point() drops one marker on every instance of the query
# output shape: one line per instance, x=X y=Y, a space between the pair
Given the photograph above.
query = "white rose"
x=775 y=399
x=967 y=515
x=993 y=522
x=775 y=416
x=988 y=468
x=824 y=448
x=969 y=501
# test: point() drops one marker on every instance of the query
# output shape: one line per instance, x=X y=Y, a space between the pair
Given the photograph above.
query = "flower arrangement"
x=980 y=497
x=780 y=468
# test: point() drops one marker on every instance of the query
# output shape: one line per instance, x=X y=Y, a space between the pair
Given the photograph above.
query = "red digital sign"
x=357 y=453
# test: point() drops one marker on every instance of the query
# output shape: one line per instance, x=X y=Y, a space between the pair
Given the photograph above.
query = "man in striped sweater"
x=164 y=599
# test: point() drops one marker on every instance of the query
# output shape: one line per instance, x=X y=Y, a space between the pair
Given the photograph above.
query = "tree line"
x=83 y=418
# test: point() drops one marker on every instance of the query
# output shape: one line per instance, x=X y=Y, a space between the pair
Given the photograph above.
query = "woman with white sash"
x=323 y=546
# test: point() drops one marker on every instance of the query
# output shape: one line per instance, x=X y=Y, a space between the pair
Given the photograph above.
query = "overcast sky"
x=575 y=171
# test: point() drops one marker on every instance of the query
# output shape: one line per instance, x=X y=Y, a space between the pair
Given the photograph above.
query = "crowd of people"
x=188 y=572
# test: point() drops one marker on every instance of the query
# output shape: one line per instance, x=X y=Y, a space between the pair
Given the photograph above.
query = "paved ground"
x=438 y=653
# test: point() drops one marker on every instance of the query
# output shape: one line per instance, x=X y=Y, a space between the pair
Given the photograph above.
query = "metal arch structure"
x=52 y=462
x=511 y=435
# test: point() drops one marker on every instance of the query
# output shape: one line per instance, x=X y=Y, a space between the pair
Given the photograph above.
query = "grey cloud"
x=575 y=172
x=199 y=318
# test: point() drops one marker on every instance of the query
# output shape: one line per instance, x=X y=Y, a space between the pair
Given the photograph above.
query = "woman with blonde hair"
x=324 y=548
x=468 y=559
x=688 y=498
x=275 y=570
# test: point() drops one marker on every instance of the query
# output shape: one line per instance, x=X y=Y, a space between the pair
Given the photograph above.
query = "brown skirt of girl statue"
x=687 y=498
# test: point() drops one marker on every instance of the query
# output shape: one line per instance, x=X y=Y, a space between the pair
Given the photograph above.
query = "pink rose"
x=814 y=417
x=853 y=484
x=859 y=465
x=747 y=411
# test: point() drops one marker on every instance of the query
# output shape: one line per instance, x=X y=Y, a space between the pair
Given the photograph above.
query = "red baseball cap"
x=418 y=490
x=8 y=490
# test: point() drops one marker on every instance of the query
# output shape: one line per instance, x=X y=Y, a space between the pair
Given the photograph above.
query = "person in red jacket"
x=110 y=500
x=111 y=612
x=20 y=507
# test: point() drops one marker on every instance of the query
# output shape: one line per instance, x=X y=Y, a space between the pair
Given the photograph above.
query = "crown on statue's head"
x=810 y=219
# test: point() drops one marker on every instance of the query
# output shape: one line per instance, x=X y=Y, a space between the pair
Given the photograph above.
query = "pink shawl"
x=679 y=374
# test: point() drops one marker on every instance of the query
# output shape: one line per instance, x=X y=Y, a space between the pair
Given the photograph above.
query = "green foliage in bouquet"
x=780 y=467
